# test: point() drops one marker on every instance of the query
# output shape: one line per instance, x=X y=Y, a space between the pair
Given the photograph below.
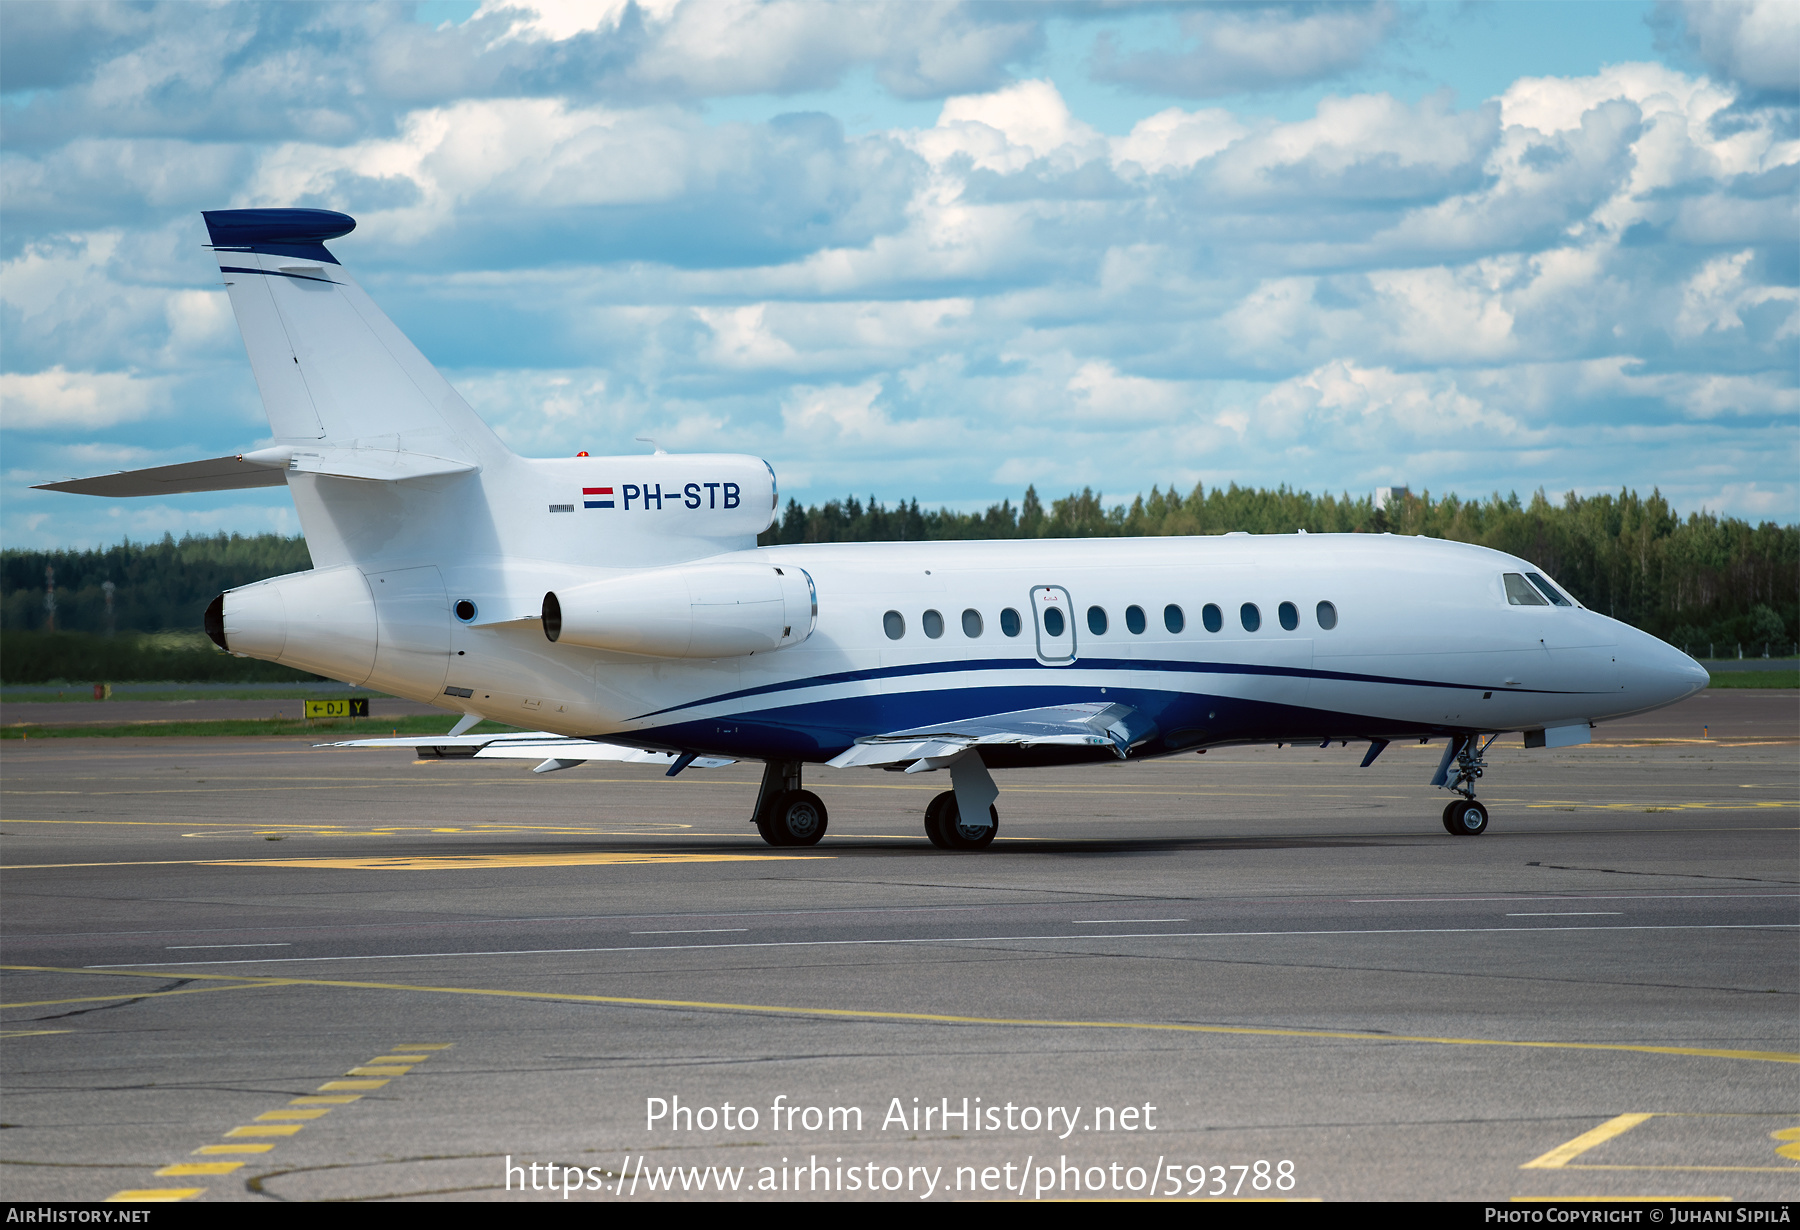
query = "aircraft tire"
x=1467 y=818
x=951 y=831
x=934 y=818
x=796 y=818
x=1448 y=827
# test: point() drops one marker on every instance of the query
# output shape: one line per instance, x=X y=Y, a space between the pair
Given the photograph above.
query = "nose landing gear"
x=1464 y=817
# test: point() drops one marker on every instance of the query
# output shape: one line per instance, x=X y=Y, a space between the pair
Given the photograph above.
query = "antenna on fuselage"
x=660 y=450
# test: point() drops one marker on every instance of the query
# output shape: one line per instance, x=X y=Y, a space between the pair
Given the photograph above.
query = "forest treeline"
x=157 y=586
x=1695 y=580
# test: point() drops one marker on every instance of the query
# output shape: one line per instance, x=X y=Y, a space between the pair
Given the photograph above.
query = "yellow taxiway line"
x=937 y=1018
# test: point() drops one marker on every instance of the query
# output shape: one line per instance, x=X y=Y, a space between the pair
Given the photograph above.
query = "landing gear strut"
x=1464 y=817
x=785 y=814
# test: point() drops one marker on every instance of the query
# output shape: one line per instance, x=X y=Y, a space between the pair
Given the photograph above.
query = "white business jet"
x=622 y=607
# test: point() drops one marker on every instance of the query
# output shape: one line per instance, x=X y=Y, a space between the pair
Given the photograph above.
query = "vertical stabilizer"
x=332 y=368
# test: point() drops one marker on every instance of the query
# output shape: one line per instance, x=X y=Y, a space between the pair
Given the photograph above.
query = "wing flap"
x=540 y=745
x=1119 y=727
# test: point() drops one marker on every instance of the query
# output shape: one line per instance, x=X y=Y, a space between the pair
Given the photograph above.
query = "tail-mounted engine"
x=692 y=611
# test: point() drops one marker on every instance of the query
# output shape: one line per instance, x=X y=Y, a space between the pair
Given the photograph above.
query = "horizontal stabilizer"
x=213 y=474
x=1119 y=727
x=266 y=467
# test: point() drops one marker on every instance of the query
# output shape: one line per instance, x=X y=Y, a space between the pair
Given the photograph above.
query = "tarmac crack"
x=254 y=1184
x=1676 y=875
x=175 y=985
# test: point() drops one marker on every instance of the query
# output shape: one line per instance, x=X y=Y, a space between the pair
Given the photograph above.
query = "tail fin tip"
x=251 y=228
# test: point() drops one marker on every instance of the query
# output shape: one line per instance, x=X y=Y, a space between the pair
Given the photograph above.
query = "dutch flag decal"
x=593 y=491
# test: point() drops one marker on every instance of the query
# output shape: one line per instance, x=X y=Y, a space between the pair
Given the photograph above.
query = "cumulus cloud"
x=1585 y=281
x=846 y=420
x=330 y=73
x=1406 y=409
x=1008 y=129
x=1716 y=297
x=1753 y=42
x=58 y=400
x=602 y=183
x=1175 y=139
x=1251 y=47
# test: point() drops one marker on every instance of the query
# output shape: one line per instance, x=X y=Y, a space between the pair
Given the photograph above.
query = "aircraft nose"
x=1656 y=673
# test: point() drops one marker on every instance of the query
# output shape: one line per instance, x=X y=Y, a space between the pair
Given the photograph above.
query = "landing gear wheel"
x=934 y=810
x=795 y=818
x=1466 y=818
x=799 y=818
x=943 y=824
x=1448 y=828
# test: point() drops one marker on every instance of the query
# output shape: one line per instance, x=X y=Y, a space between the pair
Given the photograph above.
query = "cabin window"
x=1134 y=620
x=1548 y=590
x=971 y=623
x=894 y=624
x=1212 y=617
x=1250 y=616
x=1520 y=593
x=1289 y=615
x=933 y=623
x=1327 y=614
x=1173 y=619
x=465 y=610
x=1053 y=622
x=1096 y=621
x=1009 y=622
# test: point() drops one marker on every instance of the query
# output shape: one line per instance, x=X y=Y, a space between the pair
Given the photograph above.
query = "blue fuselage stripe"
x=1106 y=664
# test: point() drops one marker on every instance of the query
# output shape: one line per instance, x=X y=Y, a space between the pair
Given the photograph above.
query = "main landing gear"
x=785 y=814
x=1464 y=817
x=943 y=824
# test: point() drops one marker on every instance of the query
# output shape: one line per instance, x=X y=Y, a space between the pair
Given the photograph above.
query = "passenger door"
x=1053 y=612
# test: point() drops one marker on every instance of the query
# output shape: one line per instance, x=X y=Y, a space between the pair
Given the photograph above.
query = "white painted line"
x=178 y=947
x=957 y=939
x=693 y=931
x=1572 y=897
x=1083 y=922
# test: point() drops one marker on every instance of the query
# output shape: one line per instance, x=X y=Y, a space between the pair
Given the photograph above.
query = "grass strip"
x=1756 y=679
x=363 y=728
x=84 y=694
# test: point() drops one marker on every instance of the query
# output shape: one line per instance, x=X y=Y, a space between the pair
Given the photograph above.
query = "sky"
x=934 y=249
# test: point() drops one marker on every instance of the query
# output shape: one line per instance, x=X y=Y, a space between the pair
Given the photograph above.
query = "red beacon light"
x=582 y=453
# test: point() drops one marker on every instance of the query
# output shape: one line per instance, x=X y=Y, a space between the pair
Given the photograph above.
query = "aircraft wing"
x=556 y=751
x=1119 y=727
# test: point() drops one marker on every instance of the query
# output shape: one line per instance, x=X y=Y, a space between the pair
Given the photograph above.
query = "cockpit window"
x=1520 y=593
x=1548 y=590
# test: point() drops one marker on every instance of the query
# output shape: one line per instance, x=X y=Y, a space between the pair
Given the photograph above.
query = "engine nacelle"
x=690 y=611
x=322 y=621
